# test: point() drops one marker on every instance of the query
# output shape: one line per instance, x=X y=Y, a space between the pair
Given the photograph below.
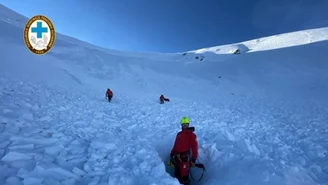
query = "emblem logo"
x=39 y=34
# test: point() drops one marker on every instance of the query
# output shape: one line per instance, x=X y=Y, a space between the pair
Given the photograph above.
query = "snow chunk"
x=27 y=105
x=159 y=170
x=32 y=181
x=316 y=168
x=77 y=159
x=51 y=182
x=68 y=182
x=87 y=167
x=43 y=141
x=2 y=128
x=43 y=158
x=26 y=164
x=2 y=152
x=45 y=118
x=6 y=171
x=12 y=129
x=28 y=116
x=322 y=154
x=14 y=180
x=230 y=136
x=98 y=155
x=26 y=147
x=246 y=145
x=13 y=156
x=6 y=111
x=255 y=149
x=119 y=179
x=94 y=181
x=4 y=144
x=99 y=114
x=53 y=151
x=58 y=135
x=51 y=170
x=22 y=173
x=78 y=171
x=63 y=108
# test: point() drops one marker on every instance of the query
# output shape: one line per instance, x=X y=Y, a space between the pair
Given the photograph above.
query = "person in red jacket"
x=180 y=154
x=162 y=99
x=109 y=94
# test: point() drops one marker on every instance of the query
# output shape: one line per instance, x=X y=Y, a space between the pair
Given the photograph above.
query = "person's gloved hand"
x=192 y=163
x=170 y=163
x=171 y=157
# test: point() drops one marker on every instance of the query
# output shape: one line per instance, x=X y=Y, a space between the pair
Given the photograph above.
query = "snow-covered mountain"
x=260 y=115
x=271 y=42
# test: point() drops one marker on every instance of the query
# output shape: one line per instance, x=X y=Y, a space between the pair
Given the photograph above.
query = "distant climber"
x=180 y=155
x=162 y=99
x=109 y=94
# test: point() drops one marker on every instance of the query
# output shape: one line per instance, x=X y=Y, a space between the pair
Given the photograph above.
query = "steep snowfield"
x=272 y=42
x=260 y=117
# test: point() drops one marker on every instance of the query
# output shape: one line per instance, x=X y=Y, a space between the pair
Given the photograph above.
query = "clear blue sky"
x=174 y=25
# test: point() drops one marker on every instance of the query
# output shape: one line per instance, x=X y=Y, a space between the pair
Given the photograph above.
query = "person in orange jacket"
x=162 y=99
x=109 y=94
x=180 y=155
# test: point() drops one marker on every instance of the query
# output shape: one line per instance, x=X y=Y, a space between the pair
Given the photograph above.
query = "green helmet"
x=184 y=120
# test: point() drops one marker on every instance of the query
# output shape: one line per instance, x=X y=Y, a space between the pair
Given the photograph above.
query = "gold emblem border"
x=26 y=34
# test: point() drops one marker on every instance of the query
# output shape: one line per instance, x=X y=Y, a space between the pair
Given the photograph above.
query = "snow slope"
x=272 y=42
x=260 y=117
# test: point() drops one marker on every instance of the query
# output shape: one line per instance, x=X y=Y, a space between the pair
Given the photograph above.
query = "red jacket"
x=185 y=141
x=162 y=98
x=109 y=92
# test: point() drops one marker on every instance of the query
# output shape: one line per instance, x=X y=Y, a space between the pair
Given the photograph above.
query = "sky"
x=169 y=26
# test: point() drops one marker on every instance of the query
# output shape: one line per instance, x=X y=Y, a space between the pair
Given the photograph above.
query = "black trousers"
x=109 y=98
